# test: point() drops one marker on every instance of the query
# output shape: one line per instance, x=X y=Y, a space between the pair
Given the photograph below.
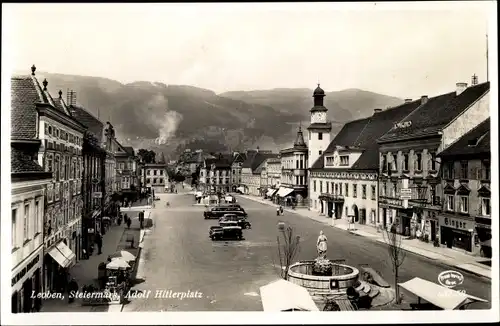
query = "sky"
x=400 y=49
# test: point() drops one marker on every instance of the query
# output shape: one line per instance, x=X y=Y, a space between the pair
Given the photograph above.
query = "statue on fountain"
x=321 y=245
x=322 y=266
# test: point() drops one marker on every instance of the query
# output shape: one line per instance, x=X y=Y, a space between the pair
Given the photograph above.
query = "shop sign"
x=456 y=223
x=25 y=270
x=450 y=279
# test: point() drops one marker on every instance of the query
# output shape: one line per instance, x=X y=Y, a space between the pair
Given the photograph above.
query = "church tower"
x=319 y=129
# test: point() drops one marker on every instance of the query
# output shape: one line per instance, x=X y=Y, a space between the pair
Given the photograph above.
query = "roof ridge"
x=363 y=130
x=470 y=132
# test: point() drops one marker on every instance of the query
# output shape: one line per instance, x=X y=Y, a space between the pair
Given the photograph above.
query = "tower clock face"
x=318 y=117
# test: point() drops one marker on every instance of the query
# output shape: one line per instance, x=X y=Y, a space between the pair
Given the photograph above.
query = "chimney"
x=424 y=99
x=377 y=111
x=474 y=80
x=408 y=100
x=461 y=87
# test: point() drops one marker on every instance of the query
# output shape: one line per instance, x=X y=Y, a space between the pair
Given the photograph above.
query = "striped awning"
x=283 y=192
x=271 y=192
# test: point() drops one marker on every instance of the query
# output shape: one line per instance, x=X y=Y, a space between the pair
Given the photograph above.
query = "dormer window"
x=344 y=160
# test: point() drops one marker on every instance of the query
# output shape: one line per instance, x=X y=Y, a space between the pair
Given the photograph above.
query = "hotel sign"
x=25 y=270
x=394 y=202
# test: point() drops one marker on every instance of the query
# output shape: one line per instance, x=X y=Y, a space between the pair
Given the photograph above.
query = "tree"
x=147 y=156
x=288 y=247
x=397 y=255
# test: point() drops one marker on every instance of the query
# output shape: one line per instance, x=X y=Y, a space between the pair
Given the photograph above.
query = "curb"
x=379 y=240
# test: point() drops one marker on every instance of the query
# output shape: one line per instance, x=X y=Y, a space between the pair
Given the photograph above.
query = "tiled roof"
x=60 y=105
x=476 y=141
x=94 y=125
x=129 y=150
x=364 y=133
x=25 y=92
x=255 y=159
x=21 y=162
x=437 y=112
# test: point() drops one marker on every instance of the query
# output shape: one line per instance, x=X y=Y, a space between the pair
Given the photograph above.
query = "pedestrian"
x=72 y=288
x=119 y=221
x=141 y=219
x=278 y=212
x=281 y=210
x=128 y=221
x=99 y=243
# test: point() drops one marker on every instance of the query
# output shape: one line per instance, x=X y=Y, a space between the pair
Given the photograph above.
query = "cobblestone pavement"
x=179 y=256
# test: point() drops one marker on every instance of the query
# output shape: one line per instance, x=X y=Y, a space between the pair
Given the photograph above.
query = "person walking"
x=141 y=219
x=128 y=220
x=98 y=241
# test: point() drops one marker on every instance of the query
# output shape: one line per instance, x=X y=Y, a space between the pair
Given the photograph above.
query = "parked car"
x=233 y=218
x=214 y=229
x=219 y=211
x=227 y=233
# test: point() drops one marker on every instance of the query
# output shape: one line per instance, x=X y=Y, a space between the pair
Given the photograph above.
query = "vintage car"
x=240 y=220
x=219 y=211
x=234 y=205
x=231 y=232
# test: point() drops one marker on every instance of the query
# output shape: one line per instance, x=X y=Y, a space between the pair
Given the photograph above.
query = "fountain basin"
x=343 y=276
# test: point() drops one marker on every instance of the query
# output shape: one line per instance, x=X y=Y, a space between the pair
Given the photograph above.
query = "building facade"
x=465 y=220
x=273 y=172
x=29 y=182
x=294 y=177
x=236 y=168
x=345 y=178
x=156 y=177
x=215 y=174
x=251 y=171
x=410 y=184
x=60 y=153
x=126 y=167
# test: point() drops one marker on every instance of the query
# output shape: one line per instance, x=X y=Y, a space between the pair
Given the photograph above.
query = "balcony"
x=336 y=198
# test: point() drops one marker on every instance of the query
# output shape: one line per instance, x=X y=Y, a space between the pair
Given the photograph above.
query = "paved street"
x=179 y=256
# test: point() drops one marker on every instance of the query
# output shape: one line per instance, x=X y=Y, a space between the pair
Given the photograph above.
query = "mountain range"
x=170 y=118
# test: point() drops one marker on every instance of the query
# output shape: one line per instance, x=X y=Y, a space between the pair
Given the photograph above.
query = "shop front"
x=483 y=230
x=332 y=205
x=27 y=278
x=456 y=232
x=57 y=262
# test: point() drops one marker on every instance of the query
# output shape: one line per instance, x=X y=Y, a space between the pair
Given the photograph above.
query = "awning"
x=241 y=189
x=62 y=255
x=282 y=295
x=283 y=192
x=271 y=192
x=438 y=295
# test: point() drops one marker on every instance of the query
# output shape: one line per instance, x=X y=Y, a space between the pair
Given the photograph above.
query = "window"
x=433 y=161
x=363 y=191
x=160 y=181
x=355 y=191
x=26 y=221
x=394 y=162
x=154 y=172
x=154 y=180
x=449 y=171
x=346 y=212
x=50 y=130
x=340 y=189
x=464 y=204
x=148 y=180
x=161 y=172
x=320 y=135
x=450 y=203
x=56 y=168
x=485 y=207
x=418 y=162
x=328 y=187
x=36 y=226
x=148 y=172
x=14 y=226
x=320 y=152
x=384 y=163
x=314 y=185
x=405 y=162
x=49 y=163
x=374 y=192
x=344 y=160
x=321 y=186
x=433 y=195
x=485 y=170
x=336 y=188
x=347 y=189
x=384 y=189
x=464 y=169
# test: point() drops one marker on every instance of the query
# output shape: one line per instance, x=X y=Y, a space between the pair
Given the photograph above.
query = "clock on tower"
x=318 y=117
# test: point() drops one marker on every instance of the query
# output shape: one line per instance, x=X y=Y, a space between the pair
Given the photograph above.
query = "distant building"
x=273 y=172
x=465 y=221
x=251 y=172
x=126 y=167
x=410 y=184
x=236 y=166
x=215 y=174
x=156 y=177
x=294 y=165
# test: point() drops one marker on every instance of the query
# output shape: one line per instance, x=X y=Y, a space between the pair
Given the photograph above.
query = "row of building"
x=66 y=168
x=422 y=168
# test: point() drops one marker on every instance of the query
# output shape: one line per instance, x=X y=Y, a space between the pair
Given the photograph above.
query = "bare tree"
x=397 y=255
x=288 y=247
